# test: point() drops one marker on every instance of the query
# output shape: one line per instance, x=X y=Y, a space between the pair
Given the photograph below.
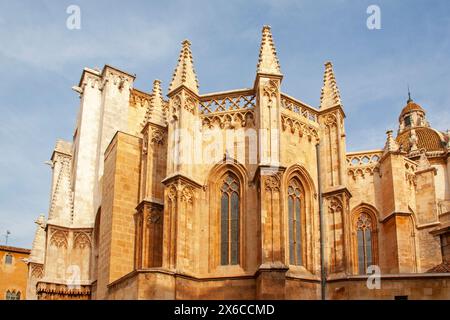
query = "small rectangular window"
x=408 y=121
x=8 y=259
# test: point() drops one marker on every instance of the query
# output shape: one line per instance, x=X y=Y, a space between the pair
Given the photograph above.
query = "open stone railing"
x=363 y=158
x=298 y=108
x=363 y=162
x=229 y=109
x=227 y=101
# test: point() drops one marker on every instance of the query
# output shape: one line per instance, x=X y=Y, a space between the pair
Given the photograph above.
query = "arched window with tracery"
x=229 y=220
x=295 y=222
x=12 y=295
x=364 y=240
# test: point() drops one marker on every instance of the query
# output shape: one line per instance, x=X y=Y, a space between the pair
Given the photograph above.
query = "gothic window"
x=12 y=295
x=229 y=221
x=8 y=259
x=295 y=225
x=364 y=242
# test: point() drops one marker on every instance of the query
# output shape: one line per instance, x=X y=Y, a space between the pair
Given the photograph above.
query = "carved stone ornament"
x=155 y=216
x=190 y=105
x=172 y=193
x=335 y=205
x=81 y=240
x=187 y=195
x=272 y=184
x=59 y=239
x=176 y=105
x=157 y=136
x=37 y=271
x=271 y=90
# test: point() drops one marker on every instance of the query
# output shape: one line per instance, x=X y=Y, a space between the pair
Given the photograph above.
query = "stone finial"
x=330 y=95
x=391 y=145
x=423 y=162
x=184 y=73
x=268 y=62
x=155 y=111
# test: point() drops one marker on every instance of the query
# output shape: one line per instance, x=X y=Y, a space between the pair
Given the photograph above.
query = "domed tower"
x=415 y=133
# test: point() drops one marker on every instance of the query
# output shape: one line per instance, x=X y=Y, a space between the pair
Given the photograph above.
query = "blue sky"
x=40 y=60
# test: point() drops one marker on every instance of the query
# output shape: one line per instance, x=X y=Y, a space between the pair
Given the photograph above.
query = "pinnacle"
x=184 y=73
x=268 y=62
x=155 y=110
x=391 y=145
x=330 y=95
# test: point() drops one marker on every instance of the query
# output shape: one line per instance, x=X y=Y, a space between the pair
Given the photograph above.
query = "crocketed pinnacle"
x=155 y=110
x=38 y=247
x=268 y=62
x=330 y=95
x=391 y=145
x=184 y=73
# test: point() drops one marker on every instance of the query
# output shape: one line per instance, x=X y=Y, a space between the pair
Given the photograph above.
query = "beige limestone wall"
x=429 y=249
x=117 y=234
x=441 y=179
x=86 y=149
x=416 y=287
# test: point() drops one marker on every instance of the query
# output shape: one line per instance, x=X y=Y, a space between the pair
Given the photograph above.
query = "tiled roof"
x=411 y=106
x=428 y=139
x=15 y=249
x=444 y=267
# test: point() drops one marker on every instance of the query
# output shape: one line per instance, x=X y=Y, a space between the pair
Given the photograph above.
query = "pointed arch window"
x=295 y=225
x=12 y=295
x=229 y=220
x=364 y=238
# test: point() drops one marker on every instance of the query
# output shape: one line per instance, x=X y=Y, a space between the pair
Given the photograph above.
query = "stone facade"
x=243 y=194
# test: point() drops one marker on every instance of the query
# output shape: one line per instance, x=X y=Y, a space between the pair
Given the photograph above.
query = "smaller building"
x=13 y=273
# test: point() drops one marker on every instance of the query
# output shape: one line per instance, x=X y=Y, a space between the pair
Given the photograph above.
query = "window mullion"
x=229 y=228
x=364 y=249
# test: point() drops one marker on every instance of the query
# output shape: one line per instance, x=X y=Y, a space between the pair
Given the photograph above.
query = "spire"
x=38 y=248
x=155 y=110
x=330 y=95
x=184 y=73
x=391 y=145
x=268 y=61
x=61 y=205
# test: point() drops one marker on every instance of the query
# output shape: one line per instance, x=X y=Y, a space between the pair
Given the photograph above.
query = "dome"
x=411 y=106
x=427 y=138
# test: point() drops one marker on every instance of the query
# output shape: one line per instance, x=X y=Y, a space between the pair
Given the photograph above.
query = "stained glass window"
x=229 y=221
x=364 y=242
x=295 y=227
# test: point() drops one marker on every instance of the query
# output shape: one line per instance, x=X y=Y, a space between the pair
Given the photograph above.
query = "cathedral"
x=241 y=194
